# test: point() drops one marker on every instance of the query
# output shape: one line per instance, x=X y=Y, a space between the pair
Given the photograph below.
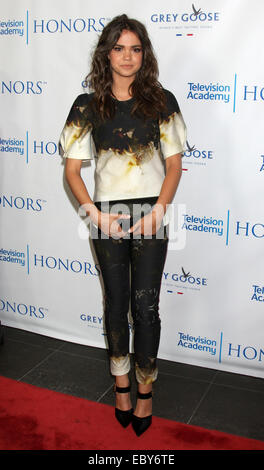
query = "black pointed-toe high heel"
x=140 y=425
x=123 y=417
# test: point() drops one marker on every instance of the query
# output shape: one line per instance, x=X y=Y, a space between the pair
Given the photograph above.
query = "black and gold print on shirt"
x=129 y=151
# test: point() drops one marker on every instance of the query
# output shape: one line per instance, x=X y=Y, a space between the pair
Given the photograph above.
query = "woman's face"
x=126 y=55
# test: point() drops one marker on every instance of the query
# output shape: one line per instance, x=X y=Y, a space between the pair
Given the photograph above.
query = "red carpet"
x=33 y=418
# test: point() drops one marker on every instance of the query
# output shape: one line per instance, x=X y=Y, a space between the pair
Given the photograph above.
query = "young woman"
x=134 y=129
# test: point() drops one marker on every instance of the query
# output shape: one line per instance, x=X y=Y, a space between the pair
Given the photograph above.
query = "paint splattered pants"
x=132 y=271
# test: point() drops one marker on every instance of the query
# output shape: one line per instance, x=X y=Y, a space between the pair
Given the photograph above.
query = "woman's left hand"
x=147 y=225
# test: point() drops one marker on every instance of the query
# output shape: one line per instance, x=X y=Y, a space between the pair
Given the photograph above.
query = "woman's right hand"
x=108 y=223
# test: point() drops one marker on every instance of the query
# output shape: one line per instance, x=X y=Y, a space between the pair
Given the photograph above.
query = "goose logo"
x=197 y=156
x=93 y=321
x=199 y=15
x=262 y=163
x=196 y=12
x=195 y=18
x=185 y=275
x=183 y=279
x=97 y=322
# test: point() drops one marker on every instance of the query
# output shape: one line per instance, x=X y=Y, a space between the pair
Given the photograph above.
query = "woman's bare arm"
x=107 y=222
x=170 y=183
x=78 y=187
x=151 y=222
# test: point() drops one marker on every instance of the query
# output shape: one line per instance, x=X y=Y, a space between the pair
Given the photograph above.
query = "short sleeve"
x=172 y=128
x=76 y=137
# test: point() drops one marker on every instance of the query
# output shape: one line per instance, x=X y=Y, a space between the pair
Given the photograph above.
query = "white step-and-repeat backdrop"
x=210 y=57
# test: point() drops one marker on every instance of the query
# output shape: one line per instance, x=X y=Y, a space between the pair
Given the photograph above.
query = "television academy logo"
x=231 y=93
x=222 y=350
x=28 y=26
x=12 y=28
x=28 y=146
x=12 y=145
x=258 y=293
x=197 y=343
x=12 y=256
x=48 y=262
x=219 y=227
x=195 y=223
x=216 y=92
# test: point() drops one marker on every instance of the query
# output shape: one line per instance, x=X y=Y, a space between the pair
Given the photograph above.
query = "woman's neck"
x=120 y=88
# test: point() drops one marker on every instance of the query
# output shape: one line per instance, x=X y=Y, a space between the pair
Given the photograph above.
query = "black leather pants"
x=132 y=271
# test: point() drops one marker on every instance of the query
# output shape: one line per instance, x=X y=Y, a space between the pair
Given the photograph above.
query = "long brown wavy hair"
x=146 y=89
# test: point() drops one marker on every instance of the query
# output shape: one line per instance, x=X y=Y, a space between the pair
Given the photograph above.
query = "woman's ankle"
x=123 y=401
x=122 y=380
x=144 y=405
x=144 y=388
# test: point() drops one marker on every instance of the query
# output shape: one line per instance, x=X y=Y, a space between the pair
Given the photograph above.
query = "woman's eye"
x=119 y=49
